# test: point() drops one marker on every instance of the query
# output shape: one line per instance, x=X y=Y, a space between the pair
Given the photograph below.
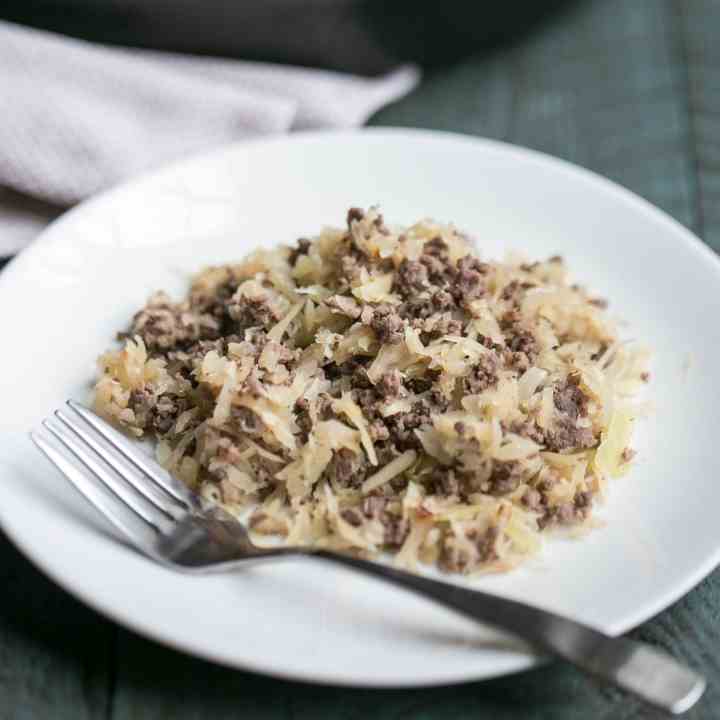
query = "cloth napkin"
x=79 y=117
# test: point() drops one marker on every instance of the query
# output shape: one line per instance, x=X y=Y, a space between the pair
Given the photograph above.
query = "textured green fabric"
x=624 y=87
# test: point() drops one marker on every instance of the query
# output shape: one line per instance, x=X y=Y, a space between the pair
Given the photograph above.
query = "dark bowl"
x=364 y=36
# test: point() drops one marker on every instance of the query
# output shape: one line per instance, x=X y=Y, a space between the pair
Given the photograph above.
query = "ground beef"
x=402 y=426
x=528 y=429
x=352 y=368
x=396 y=530
x=565 y=435
x=489 y=343
x=373 y=506
x=504 y=478
x=508 y=292
x=201 y=348
x=448 y=325
x=532 y=500
x=166 y=412
x=568 y=513
x=549 y=481
x=183 y=363
x=483 y=375
x=521 y=348
x=142 y=402
x=583 y=500
x=442 y=300
x=570 y=399
x=390 y=384
x=224 y=447
x=441 y=271
x=445 y=482
x=367 y=399
x=215 y=302
x=485 y=543
x=438 y=269
x=438 y=326
x=164 y=325
x=156 y=413
x=436 y=247
x=324 y=406
x=303 y=245
x=303 y=419
x=565 y=513
x=248 y=421
x=453 y=559
x=411 y=277
x=437 y=402
x=345 y=468
x=548 y=518
x=387 y=324
x=253 y=342
x=352 y=516
x=521 y=341
x=419 y=384
x=469 y=284
x=358 y=375
x=254 y=311
x=416 y=309
x=470 y=263
x=430 y=305
x=378 y=431
x=354 y=215
x=518 y=361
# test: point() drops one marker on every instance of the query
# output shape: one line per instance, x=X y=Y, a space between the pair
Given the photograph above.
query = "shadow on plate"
x=471 y=636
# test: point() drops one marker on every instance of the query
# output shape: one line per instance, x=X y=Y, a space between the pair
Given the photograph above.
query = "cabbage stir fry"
x=378 y=389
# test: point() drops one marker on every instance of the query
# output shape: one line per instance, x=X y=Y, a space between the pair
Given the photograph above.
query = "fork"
x=165 y=521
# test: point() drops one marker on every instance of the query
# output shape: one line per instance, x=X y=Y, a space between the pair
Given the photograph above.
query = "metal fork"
x=166 y=522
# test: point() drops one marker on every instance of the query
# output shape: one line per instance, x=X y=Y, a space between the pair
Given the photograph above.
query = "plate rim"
x=596 y=181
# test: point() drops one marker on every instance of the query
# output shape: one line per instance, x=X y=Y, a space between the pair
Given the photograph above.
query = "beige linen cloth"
x=77 y=117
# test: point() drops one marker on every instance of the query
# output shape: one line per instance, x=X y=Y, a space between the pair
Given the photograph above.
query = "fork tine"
x=107 y=477
x=145 y=486
x=135 y=529
x=163 y=478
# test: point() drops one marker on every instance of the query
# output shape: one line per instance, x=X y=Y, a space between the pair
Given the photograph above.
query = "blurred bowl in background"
x=362 y=36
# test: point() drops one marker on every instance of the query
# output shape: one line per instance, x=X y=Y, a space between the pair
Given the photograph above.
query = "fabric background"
x=79 y=117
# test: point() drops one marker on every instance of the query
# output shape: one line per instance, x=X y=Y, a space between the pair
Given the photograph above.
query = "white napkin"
x=78 y=117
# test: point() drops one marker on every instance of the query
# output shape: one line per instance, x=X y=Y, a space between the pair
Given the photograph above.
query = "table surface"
x=628 y=88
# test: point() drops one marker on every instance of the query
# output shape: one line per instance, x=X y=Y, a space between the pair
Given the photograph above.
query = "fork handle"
x=635 y=667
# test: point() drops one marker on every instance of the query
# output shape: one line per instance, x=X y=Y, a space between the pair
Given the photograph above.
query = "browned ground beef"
x=403 y=347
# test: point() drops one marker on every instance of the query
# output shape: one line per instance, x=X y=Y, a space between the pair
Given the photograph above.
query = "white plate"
x=62 y=300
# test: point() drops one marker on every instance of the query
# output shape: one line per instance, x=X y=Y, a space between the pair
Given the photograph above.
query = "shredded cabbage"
x=381 y=389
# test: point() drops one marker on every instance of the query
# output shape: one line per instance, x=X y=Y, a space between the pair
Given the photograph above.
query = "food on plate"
x=377 y=389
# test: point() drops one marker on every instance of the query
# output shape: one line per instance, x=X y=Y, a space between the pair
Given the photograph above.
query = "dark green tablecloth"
x=629 y=88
